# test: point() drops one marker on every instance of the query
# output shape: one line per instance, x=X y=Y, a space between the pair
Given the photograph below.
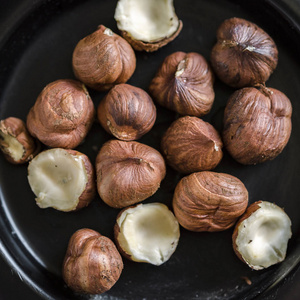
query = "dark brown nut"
x=257 y=124
x=92 y=264
x=156 y=25
x=62 y=114
x=244 y=54
x=191 y=145
x=17 y=145
x=209 y=201
x=103 y=59
x=184 y=83
x=127 y=112
x=62 y=178
x=128 y=172
x=261 y=235
x=147 y=233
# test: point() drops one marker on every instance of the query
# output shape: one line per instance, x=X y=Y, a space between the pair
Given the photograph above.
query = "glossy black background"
x=37 y=39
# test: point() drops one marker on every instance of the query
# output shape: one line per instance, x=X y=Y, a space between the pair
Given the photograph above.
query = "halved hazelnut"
x=92 y=264
x=127 y=112
x=257 y=124
x=191 y=145
x=147 y=233
x=147 y=24
x=260 y=237
x=209 y=201
x=184 y=83
x=244 y=54
x=17 y=145
x=103 y=59
x=62 y=179
x=62 y=114
x=128 y=172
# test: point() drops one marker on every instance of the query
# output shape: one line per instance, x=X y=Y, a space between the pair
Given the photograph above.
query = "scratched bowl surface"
x=36 y=48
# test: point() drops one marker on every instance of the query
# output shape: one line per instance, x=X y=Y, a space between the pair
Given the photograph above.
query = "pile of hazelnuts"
x=257 y=127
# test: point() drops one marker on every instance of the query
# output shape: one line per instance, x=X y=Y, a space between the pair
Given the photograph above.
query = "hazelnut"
x=244 y=54
x=261 y=235
x=209 y=201
x=184 y=83
x=17 y=145
x=156 y=25
x=127 y=112
x=62 y=114
x=128 y=172
x=103 y=59
x=92 y=263
x=191 y=144
x=147 y=233
x=61 y=178
x=257 y=124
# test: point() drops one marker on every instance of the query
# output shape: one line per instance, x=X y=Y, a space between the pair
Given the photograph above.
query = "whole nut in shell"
x=261 y=235
x=257 y=124
x=128 y=172
x=92 y=263
x=16 y=143
x=127 y=112
x=191 y=145
x=184 y=83
x=209 y=201
x=244 y=54
x=62 y=114
x=103 y=59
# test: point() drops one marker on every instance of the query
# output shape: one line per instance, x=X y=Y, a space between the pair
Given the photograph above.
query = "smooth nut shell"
x=151 y=46
x=244 y=54
x=92 y=263
x=62 y=114
x=16 y=128
x=127 y=112
x=209 y=201
x=128 y=172
x=191 y=145
x=184 y=83
x=103 y=59
x=257 y=124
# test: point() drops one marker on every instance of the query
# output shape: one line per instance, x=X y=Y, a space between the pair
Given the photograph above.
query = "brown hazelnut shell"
x=191 y=145
x=92 y=263
x=128 y=172
x=184 y=83
x=151 y=46
x=127 y=112
x=16 y=129
x=257 y=124
x=244 y=54
x=103 y=59
x=62 y=114
x=209 y=201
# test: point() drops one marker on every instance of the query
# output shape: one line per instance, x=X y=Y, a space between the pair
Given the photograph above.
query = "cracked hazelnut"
x=92 y=264
x=191 y=144
x=62 y=114
x=62 y=178
x=147 y=233
x=128 y=172
x=17 y=145
x=184 y=83
x=103 y=59
x=127 y=112
x=244 y=54
x=257 y=124
x=261 y=235
x=209 y=201
x=156 y=25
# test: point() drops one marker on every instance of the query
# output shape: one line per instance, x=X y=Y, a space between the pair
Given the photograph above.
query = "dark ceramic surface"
x=36 y=43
